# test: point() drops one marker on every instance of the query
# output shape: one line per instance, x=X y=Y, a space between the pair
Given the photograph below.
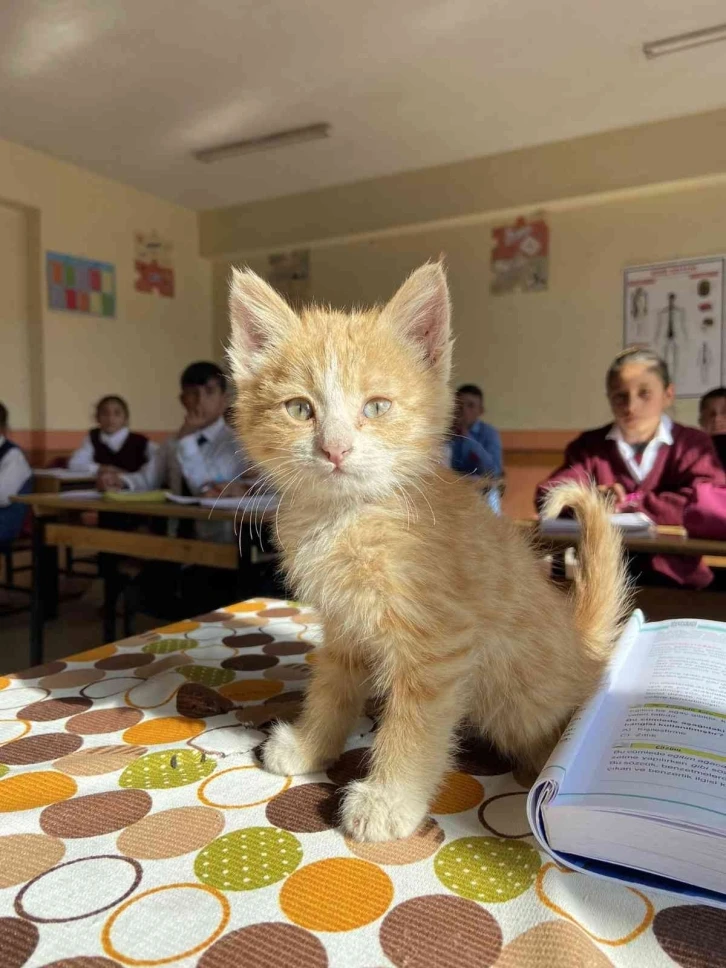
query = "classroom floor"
x=77 y=628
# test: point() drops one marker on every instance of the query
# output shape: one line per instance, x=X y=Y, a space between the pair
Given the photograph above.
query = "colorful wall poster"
x=79 y=285
x=677 y=309
x=289 y=273
x=154 y=264
x=520 y=256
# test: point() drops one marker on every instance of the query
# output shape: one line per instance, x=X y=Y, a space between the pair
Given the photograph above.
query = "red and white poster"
x=154 y=264
x=520 y=256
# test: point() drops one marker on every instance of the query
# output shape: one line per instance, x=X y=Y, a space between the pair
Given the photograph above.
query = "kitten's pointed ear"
x=259 y=318
x=422 y=311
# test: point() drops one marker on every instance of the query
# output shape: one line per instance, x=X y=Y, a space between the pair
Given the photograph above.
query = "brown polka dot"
x=250 y=662
x=352 y=765
x=694 y=936
x=247 y=640
x=70 y=678
x=258 y=716
x=49 y=709
x=171 y=833
x=212 y=617
x=480 y=758
x=24 y=856
x=505 y=815
x=83 y=962
x=268 y=945
x=18 y=940
x=305 y=809
x=38 y=749
x=290 y=672
x=196 y=701
x=163 y=665
x=420 y=845
x=553 y=943
x=449 y=932
x=279 y=612
x=98 y=813
x=288 y=648
x=98 y=760
x=104 y=721
x=285 y=697
x=125 y=660
x=37 y=672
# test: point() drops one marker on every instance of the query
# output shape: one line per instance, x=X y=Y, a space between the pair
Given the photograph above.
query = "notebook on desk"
x=635 y=522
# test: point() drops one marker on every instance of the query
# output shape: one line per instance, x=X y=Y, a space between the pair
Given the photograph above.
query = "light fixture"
x=696 y=38
x=279 y=139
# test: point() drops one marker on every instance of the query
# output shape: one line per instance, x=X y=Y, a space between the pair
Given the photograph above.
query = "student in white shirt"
x=15 y=478
x=111 y=444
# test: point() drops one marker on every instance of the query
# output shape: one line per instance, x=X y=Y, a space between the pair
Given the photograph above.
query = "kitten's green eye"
x=299 y=409
x=376 y=407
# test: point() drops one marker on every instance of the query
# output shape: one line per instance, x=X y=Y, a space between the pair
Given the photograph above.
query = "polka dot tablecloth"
x=137 y=829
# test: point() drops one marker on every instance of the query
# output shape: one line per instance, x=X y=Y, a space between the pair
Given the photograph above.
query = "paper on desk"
x=180 y=499
x=260 y=502
x=62 y=474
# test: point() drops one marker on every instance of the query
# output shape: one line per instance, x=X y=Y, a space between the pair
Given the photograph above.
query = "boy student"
x=712 y=418
x=15 y=478
x=203 y=458
x=487 y=454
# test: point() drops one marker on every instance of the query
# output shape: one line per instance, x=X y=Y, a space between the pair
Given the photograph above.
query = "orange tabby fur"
x=427 y=598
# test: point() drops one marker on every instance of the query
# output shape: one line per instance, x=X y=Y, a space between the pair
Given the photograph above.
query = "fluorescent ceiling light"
x=696 y=38
x=280 y=139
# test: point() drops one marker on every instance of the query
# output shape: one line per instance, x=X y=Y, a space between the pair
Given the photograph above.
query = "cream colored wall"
x=140 y=353
x=14 y=341
x=541 y=357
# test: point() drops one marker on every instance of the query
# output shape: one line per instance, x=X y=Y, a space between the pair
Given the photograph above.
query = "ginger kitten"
x=427 y=598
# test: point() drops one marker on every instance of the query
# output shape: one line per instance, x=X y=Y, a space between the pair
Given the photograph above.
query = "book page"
x=659 y=746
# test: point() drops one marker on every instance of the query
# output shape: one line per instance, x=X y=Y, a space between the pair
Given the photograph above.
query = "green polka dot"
x=487 y=868
x=167 y=769
x=4 y=768
x=164 y=646
x=207 y=675
x=247 y=859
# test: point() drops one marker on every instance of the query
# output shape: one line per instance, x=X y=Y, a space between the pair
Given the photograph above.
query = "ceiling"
x=130 y=88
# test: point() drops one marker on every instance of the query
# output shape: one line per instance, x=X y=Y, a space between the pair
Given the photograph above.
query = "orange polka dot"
x=253 y=606
x=250 y=690
x=93 y=655
x=167 y=729
x=4 y=682
x=338 y=894
x=177 y=627
x=37 y=789
x=311 y=657
x=459 y=792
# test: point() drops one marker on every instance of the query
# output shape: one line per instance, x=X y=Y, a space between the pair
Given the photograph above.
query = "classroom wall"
x=15 y=347
x=74 y=359
x=541 y=357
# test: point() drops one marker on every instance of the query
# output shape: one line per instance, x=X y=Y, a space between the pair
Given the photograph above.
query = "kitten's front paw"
x=372 y=811
x=283 y=754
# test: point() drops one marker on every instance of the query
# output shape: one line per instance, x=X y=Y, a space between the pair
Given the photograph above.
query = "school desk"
x=57 y=523
x=138 y=829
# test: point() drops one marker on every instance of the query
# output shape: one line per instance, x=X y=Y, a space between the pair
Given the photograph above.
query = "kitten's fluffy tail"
x=602 y=591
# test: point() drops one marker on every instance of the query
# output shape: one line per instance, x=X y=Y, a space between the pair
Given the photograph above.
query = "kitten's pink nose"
x=336 y=453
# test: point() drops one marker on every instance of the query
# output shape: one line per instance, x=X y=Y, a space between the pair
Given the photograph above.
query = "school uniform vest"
x=130 y=458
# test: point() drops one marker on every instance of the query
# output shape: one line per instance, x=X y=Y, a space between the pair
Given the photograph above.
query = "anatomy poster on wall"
x=677 y=309
x=520 y=256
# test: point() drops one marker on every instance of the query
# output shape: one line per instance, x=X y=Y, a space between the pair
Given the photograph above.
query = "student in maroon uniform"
x=111 y=443
x=644 y=461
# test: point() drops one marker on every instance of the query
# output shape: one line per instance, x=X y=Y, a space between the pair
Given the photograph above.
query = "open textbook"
x=630 y=522
x=636 y=788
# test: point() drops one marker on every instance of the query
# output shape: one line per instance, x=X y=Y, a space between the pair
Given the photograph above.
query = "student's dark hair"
x=199 y=374
x=471 y=388
x=3 y=417
x=638 y=354
x=112 y=398
x=717 y=393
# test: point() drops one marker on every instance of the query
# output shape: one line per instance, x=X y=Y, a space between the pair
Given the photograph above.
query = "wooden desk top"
x=46 y=503
x=666 y=540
